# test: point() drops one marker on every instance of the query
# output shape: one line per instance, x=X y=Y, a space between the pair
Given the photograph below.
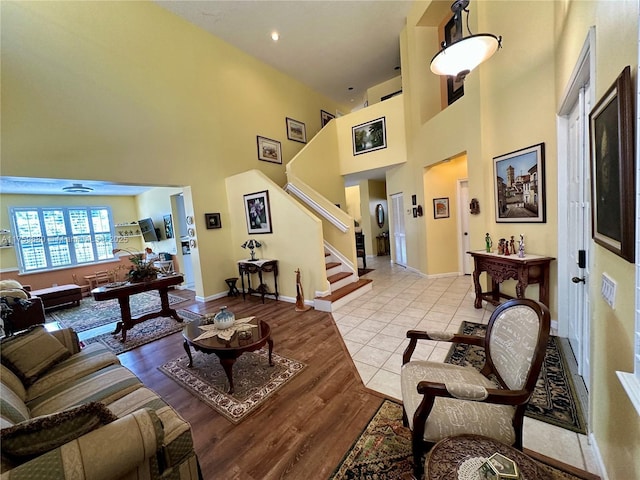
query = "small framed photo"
x=325 y=117
x=441 y=207
x=611 y=130
x=296 y=131
x=258 y=212
x=370 y=136
x=168 y=226
x=212 y=220
x=519 y=187
x=269 y=150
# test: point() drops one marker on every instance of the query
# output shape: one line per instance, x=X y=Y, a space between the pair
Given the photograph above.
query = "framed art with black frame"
x=455 y=87
x=369 y=136
x=441 y=207
x=258 y=212
x=519 y=187
x=168 y=226
x=269 y=150
x=296 y=130
x=612 y=172
x=212 y=220
x=325 y=117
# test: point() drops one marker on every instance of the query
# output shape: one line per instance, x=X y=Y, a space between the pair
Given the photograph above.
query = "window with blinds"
x=54 y=237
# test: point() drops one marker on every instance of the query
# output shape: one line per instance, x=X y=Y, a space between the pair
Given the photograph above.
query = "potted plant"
x=141 y=270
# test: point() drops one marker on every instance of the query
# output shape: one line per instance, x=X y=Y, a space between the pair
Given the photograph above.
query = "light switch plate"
x=609 y=290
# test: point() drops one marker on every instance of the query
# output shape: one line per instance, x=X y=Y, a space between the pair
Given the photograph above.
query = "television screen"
x=148 y=230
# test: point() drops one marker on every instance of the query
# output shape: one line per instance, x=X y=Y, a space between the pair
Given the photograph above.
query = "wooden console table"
x=124 y=291
x=528 y=270
x=248 y=268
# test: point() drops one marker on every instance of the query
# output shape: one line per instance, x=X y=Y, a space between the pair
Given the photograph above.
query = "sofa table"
x=246 y=268
x=526 y=271
x=122 y=292
x=452 y=457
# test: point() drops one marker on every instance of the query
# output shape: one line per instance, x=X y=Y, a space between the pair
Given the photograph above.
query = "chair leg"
x=418 y=462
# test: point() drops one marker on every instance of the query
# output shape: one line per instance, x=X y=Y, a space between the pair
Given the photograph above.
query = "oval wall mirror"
x=380 y=215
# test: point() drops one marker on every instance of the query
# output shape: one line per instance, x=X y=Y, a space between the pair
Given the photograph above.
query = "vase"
x=224 y=319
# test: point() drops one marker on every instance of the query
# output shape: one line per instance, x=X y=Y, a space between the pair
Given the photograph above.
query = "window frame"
x=46 y=257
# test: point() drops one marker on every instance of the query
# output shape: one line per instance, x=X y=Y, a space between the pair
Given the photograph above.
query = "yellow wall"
x=443 y=240
x=352 y=197
x=375 y=93
x=128 y=92
x=615 y=421
x=295 y=241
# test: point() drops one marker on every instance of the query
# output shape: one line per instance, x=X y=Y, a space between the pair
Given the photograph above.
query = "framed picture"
x=519 y=188
x=258 y=212
x=212 y=220
x=612 y=174
x=168 y=226
x=455 y=87
x=441 y=207
x=369 y=136
x=269 y=150
x=296 y=131
x=325 y=117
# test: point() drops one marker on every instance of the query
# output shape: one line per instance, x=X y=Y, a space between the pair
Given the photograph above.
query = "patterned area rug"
x=383 y=451
x=91 y=314
x=144 y=332
x=254 y=380
x=554 y=399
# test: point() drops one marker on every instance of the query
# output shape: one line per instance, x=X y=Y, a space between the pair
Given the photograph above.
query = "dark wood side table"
x=123 y=292
x=526 y=271
x=448 y=457
x=228 y=350
x=246 y=268
x=383 y=245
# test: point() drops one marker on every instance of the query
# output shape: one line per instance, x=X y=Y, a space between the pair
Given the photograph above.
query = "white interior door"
x=466 y=260
x=579 y=231
x=399 y=236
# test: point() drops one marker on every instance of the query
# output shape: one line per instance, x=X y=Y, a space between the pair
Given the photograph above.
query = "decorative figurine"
x=488 y=242
x=300 y=306
x=512 y=246
x=521 y=246
x=501 y=246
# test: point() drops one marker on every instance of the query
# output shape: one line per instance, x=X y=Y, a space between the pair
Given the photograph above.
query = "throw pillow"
x=39 y=435
x=31 y=353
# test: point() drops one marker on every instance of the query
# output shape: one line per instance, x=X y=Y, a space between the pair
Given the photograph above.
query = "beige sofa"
x=72 y=413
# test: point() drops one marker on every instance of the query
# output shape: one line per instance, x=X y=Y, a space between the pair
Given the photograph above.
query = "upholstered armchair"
x=442 y=400
x=20 y=309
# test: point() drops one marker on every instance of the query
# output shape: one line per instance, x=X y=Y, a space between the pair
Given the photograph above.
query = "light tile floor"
x=374 y=327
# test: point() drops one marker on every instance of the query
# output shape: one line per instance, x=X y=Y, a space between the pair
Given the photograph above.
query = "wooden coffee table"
x=446 y=458
x=228 y=350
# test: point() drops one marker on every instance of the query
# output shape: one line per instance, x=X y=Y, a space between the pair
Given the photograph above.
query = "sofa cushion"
x=12 y=408
x=92 y=358
x=106 y=385
x=31 y=353
x=42 y=434
x=69 y=338
x=13 y=382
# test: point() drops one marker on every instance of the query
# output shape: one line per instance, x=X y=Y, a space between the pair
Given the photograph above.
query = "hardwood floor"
x=303 y=430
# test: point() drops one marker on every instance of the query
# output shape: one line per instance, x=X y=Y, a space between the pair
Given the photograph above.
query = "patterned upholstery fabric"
x=31 y=353
x=69 y=339
x=512 y=344
x=451 y=416
x=12 y=407
x=39 y=435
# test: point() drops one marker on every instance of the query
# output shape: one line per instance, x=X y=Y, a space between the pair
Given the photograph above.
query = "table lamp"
x=252 y=244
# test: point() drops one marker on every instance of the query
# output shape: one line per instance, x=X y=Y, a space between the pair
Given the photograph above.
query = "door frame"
x=464 y=259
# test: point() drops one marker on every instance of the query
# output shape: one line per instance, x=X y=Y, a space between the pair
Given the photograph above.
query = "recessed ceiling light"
x=77 y=188
x=275 y=36
x=350 y=88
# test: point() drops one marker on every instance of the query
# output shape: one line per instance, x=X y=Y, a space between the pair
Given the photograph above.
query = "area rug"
x=254 y=380
x=364 y=271
x=91 y=314
x=554 y=399
x=383 y=451
x=145 y=332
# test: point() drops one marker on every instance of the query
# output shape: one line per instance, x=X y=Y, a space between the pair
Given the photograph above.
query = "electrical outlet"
x=608 y=290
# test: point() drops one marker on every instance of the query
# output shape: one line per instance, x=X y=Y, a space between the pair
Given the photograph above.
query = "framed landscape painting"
x=269 y=150
x=258 y=212
x=612 y=170
x=296 y=131
x=519 y=186
x=370 y=136
x=325 y=117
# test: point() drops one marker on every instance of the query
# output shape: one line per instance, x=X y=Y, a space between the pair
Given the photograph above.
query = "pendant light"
x=458 y=58
x=77 y=188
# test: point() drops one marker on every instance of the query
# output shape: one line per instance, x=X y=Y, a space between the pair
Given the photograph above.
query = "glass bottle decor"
x=224 y=318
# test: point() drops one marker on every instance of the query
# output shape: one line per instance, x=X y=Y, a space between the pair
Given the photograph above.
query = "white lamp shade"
x=465 y=54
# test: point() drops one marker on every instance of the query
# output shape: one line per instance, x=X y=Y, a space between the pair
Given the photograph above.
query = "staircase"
x=343 y=283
